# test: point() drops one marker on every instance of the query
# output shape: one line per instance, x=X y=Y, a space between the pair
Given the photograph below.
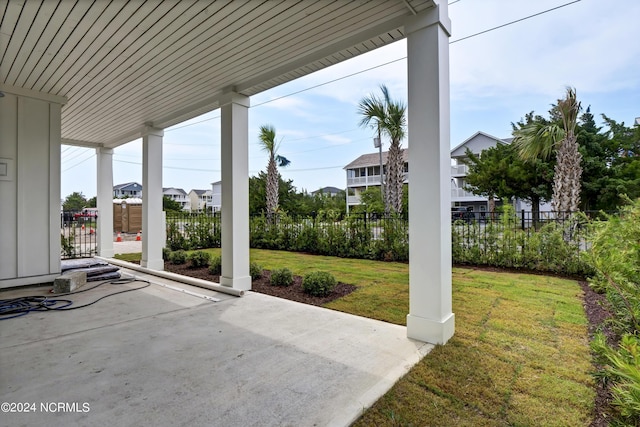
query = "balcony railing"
x=369 y=180
x=457 y=193
x=353 y=200
x=459 y=170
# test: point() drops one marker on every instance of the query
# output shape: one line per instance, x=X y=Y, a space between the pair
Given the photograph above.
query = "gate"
x=78 y=233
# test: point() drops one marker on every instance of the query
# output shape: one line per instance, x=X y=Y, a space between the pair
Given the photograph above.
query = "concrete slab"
x=127 y=247
x=160 y=357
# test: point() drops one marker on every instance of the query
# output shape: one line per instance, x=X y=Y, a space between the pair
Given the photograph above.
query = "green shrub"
x=281 y=277
x=199 y=259
x=178 y=257
x=319 y=283
x=215 y=266
x=165 y=254
x=255 y=270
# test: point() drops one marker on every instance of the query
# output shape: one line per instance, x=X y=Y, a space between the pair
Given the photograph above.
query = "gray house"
x=129 y=189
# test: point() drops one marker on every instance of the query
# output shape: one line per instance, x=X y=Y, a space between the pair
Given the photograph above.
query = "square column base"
x=427 y=330
x=157 y=265
x=106 y=253
x=239 y=283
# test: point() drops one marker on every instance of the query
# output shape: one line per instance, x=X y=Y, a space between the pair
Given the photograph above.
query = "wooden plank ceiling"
x=124 y=65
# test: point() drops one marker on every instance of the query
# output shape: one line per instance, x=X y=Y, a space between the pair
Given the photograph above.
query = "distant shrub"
x=178 y=257
x=319 y=283
x=215 y=265
x=281 y=277
x=255 y=270
x=199 y=259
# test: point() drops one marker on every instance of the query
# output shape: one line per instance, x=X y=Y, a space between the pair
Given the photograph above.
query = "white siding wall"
x=30 y=192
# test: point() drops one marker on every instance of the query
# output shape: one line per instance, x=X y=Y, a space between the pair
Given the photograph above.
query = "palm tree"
x=538 y=139
x=388 y=117
x=269 y=144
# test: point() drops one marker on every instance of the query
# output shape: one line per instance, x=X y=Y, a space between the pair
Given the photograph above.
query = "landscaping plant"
x=281 y=277
x=178 y=257
x=615 y=256
x=319 y=283
x=215 y=265
x=199 y=259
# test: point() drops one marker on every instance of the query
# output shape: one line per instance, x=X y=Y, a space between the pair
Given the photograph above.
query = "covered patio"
x=106 y=73
x=156 y=356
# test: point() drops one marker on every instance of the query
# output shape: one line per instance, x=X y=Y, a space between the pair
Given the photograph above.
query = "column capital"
x=231 y=97
x=436 y=15
x=104 y=150
x=149 y=129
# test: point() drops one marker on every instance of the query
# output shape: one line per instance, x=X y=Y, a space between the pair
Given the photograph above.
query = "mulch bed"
x=262 y=285
x=594 y=304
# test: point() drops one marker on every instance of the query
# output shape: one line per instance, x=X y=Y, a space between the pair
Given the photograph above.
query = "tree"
x=74 y=202
x=289 y=200
x=536 y=140
x=269 y=144
x=168 y=204
x=388 y=117
x=371 y=201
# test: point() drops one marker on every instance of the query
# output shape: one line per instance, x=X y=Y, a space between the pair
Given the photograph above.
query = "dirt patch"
x=262 y=285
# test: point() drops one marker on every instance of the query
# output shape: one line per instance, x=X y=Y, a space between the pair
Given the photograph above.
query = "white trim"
x=28 y=93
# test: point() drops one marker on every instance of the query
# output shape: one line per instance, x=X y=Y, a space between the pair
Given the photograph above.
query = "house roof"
x=327 y=190
x=126 y=186
x=373 y=159
x=458 y=147
x=176 y=190
x=198 y=192
x=123 y=68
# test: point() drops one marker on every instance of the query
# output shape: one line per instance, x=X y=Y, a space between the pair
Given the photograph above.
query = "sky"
x=496 y=78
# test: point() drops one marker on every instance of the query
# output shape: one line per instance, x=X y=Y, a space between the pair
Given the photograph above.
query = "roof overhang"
x=123 y=69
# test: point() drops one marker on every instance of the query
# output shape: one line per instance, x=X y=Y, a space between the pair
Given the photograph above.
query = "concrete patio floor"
x=159 y=357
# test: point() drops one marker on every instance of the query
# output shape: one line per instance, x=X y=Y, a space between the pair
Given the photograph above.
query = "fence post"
x=522 y=219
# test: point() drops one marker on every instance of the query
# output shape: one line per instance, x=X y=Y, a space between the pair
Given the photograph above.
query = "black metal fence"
x=544 y=241
x=78 y=236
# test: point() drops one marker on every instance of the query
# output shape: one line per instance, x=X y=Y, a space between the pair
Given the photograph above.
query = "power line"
x=395 y=60
x=79 y=163
x=513 y=22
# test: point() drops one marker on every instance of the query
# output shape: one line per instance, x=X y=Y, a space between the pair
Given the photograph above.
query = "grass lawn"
x=520 y=354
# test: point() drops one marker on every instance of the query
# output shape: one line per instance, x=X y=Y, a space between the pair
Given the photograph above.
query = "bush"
x=199 y=259
x=178 y=257
x=318 y=283
x=165 y=254
x=215 y=265
x=255 y=270
x=281 y=277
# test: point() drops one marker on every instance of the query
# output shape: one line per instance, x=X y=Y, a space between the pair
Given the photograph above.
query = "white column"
x=235 y=191
x=104 y=203
x=152 y=231
x=430 y=316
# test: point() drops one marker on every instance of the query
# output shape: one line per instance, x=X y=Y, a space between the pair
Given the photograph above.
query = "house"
x=216 y=196
x=177 y=195
x=459 y=196
x=124 y=71
x=364 y=172
x=328 y=191
x=130 y=189
x=463 y=198
x=200 y=200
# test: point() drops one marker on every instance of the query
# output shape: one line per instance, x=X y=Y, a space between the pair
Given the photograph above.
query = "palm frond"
x=268 y=138
x=537 y=140
x=282 y=161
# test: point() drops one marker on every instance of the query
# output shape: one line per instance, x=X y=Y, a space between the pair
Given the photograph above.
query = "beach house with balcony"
x=364 y=172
